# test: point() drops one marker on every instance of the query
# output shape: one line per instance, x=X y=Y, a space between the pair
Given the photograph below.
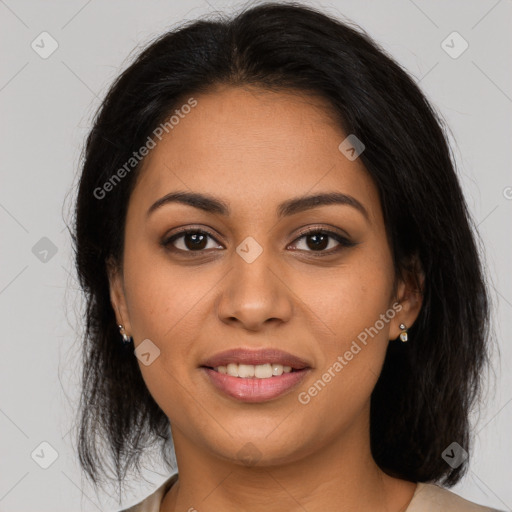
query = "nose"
x=255 y=293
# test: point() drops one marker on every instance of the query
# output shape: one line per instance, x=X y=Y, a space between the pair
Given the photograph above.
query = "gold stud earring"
x=403 y=335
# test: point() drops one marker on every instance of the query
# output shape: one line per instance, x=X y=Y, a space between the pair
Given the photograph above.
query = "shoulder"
x=433 y=498
x=153 y=501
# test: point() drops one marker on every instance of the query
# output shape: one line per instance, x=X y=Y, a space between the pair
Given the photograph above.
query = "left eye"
x=318 y=241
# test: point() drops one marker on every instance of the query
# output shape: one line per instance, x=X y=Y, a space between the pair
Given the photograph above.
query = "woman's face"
x=255 y=280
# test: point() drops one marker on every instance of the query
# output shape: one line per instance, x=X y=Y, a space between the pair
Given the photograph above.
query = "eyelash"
x=343 y=242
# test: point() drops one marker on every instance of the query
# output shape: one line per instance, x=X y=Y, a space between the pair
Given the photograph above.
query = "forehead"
x=252 y=148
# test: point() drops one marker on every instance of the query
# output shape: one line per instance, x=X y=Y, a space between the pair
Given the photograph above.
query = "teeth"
x=259 y=371
x=245 y=370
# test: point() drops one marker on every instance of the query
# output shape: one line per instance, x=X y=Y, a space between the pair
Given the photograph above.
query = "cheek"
x=351 y=297
x=159 y=295
x=351 y=357
x=168 y=305
x=164 y=303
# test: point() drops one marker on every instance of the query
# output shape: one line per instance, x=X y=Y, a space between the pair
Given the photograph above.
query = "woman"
x=280 y=266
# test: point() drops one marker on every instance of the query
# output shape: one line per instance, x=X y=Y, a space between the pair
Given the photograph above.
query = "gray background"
x=46 y=109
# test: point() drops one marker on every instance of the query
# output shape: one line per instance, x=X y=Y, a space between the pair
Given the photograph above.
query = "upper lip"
x=255 y=357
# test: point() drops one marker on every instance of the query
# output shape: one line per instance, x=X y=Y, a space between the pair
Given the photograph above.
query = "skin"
x=254 y=149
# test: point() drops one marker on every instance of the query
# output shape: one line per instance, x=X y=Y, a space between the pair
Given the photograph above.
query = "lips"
x=254 y=389
x=255 y=357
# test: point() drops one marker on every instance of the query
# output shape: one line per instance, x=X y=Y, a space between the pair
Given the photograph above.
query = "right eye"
x=191 y=240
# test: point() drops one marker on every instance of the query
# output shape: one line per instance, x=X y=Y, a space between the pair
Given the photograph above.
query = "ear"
x=117 y=294
x=409 y=294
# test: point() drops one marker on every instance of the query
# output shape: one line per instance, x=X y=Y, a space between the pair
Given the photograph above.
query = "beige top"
x=426 y=498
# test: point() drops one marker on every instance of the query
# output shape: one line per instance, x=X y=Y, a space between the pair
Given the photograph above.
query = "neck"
x=340 y=476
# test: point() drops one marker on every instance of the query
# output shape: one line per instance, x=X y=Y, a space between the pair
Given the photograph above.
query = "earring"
x=403 y=335
x=126 y=339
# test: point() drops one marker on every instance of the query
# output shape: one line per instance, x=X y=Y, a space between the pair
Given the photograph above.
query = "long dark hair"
x=422 y=400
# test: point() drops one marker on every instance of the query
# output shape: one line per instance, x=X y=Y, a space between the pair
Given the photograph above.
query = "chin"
x=257 y=449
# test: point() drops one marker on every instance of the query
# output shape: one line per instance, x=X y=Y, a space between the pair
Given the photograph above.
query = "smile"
x=254 y=389
x=259 y=371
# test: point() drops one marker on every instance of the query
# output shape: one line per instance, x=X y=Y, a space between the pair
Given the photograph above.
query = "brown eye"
x=318 y=240
x=189 y=240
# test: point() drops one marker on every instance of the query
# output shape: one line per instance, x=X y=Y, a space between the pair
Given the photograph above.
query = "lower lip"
x=254 y=389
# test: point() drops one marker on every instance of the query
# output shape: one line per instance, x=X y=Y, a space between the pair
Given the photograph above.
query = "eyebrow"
x=287 y=208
